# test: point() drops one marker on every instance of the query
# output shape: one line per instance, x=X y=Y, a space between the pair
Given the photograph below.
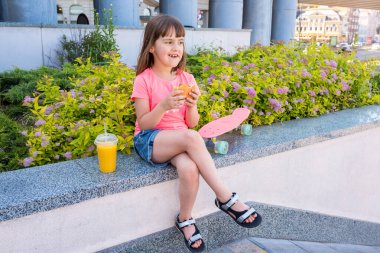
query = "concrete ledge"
x=44 y=188
x=299 y=164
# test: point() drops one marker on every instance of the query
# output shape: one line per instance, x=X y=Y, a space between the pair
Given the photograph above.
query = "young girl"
x=164 y=119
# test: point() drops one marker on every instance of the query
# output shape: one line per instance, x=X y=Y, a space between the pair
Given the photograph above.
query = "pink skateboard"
x=223 y=125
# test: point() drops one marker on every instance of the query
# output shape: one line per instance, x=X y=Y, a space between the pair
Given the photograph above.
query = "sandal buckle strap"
x=230 y=202
x=186 y=223
x=194 y=238
x=245 y=215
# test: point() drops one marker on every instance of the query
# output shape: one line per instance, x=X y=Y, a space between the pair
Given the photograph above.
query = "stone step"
x=221 y=234
x=263 y=245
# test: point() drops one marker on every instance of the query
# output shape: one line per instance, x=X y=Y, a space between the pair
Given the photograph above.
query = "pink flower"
x=48 y=110
x=235 y=86
x=275 y=104
x=333 y=64
x=27 y=161
x=27 y=100
x=68 y=155
x=283 y=90
x=305 y=73
x=44 y=143
x=40 y=122
x=72 y=92
x=345 y=86
x=251 y=91
x=311 y=93
x=24 y=132
x=215 y=115
x=323 y=74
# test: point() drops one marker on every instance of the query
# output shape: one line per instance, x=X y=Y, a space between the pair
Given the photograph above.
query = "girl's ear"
x=151 y=50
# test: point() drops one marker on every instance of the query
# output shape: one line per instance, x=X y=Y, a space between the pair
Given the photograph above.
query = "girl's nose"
x=177 y=46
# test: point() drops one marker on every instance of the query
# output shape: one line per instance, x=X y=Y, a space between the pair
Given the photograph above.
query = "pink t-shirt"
x=149 y=86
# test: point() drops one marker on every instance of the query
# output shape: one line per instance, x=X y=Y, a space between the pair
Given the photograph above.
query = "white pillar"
x=185 y=10
x=226 y=14
x=284 y=19
x=257 y=15
x=124 y=12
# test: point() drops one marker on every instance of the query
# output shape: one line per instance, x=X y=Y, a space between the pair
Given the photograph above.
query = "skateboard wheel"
x=246 y=129
x=210 y=143
x=221 y=147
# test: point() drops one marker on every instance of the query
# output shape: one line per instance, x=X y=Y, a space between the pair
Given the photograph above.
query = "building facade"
x=353 y=25
x=75 y=11
x=318 y=24
x=278 y=15
x=368 y=24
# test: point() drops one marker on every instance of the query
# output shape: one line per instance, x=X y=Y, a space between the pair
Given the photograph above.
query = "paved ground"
x=261 y=245
x=364 y=54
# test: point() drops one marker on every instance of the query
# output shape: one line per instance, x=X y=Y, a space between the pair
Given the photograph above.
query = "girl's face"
x=168 y=51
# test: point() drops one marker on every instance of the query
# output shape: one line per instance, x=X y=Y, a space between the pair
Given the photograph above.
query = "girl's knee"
x=193 y=137
x=188 y=171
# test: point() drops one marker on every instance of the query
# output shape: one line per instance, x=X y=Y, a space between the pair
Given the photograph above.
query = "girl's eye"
x=181 y=42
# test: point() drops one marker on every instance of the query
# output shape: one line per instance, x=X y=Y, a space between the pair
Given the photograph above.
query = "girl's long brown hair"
x=160 y=25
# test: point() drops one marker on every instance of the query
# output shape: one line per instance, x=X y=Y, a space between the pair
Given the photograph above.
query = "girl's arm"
x=149 y=119
x=192 y=115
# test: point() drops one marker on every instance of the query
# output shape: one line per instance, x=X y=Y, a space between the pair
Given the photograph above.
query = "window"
x=59 y=9
x=76 y=9
x=147 y=12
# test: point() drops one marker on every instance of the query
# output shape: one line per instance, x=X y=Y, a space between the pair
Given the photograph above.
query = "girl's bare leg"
x=169 y=143
x=188 y=175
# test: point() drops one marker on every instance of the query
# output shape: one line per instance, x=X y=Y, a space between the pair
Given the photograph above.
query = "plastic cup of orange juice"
x=106 y=145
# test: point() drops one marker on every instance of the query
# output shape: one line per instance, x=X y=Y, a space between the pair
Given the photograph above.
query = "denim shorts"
x=143 y=145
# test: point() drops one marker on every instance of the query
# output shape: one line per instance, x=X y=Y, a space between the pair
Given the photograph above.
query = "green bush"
x=276 y=83
x=18 y=83
x=283 y=82
x=12 y=144
x=376 y=82
x=91 y=45
x=67 y=122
